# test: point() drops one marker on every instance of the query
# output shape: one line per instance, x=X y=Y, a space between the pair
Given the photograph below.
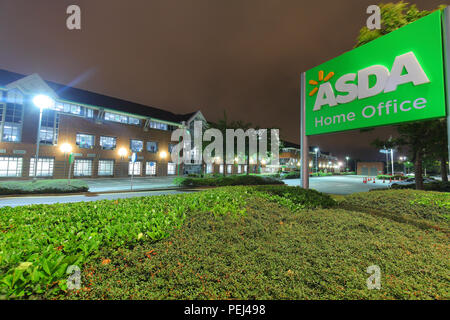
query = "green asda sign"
x=396 y=78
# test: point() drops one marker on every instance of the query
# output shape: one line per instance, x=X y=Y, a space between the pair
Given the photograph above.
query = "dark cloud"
x=244 y=57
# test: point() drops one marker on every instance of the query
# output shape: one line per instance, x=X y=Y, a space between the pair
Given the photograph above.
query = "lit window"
x=158 y=125
x=85 y=140
x=12 y=132
x=11 y=166
x=135 y=121
x=106 y=167
x=12 y=123
x=121 y=118
x=49 y=127
x=14 y=96
x=171 y=146
x=229 y=168
x=239 y=169
x=44 y=167
x=221 y=168
x=108 y=143
x=136 y=167
x=150 y=168
x=82 y=168
x=209 y=168
x=245 y=168
x=152 y=146
x=136 y=145
x=171 y=168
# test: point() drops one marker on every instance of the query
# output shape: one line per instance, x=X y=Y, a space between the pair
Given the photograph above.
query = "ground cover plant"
x=42 y=186
x=39 y=242
x=429 y=205
x=272 y=252
x=264 y=242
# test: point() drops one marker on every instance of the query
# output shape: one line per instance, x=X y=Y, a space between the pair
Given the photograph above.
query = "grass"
x=263 y=242
x=42 y=186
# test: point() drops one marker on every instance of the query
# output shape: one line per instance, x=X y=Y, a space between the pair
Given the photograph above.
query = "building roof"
x=99 y=100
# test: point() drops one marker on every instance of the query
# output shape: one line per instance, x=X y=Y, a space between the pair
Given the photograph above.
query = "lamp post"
x=346 y=163
x=42 y=102
x=66 y=149
x=122 y=153
x=316 y=150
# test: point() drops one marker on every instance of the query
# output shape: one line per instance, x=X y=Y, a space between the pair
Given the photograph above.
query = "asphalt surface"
x=102 y=188
x=29 y=200
x=341 y=185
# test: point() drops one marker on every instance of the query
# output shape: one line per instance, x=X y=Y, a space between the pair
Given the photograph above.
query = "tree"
x=419 y=137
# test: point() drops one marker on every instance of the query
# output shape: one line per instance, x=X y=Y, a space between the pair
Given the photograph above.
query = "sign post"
x=446 y=29
x=133 y=161
x=71 y=156
x=303 y=138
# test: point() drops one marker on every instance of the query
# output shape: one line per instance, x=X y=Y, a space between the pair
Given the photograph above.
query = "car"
x=409 y=181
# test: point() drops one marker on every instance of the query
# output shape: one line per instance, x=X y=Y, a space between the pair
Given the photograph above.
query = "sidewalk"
x=123 y=184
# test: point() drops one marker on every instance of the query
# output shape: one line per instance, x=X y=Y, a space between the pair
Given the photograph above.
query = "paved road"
x=115 y=184
x=339 y=184
x=21 y=201
x=334 y=184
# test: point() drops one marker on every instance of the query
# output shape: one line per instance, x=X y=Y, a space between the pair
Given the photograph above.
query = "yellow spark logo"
x=321 y=79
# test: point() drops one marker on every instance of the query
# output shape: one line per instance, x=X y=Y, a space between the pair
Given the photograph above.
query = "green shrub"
x=387 y=177
x=295 y=198
x=423 y=204
x=42 y=186
x=231 y=180
x=438 y=186
x=291 y=175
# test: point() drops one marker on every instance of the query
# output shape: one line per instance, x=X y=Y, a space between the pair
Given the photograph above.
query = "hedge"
x=231 y=180
x=42 y=186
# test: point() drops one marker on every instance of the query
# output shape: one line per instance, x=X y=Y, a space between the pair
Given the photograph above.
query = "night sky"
x=242 y=56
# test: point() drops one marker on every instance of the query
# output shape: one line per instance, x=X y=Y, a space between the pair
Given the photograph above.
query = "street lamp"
x=123 y=152
x=42 y=102
x=65 y=148
x=346 y=162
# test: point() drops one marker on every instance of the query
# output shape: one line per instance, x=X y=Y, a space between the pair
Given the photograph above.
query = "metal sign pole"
x=303 y=138
x=447 y=71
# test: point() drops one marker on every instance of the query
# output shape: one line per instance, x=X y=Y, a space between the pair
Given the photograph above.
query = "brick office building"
x=102 y=132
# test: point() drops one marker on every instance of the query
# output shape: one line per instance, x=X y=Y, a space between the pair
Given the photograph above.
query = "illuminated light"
x=123 y=152
x=66 y=148
x=43 y=102
x=163 y=154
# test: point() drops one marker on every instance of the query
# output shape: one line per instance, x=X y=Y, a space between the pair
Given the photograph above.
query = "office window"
x=221 y=168
x=108 y=143
x=106 y=167
x=49 y=127
x=150 y=168
x=136 y=145
x=12 y=132
x=135 y=121
x=14 y=96
x=171 y=168
x=229 y=168
x=82 y=168
x=209 y=168
x=44 y=167
x=85 y=140
x=110 y=116
x=239 y=169
x=136 y=168
x=171 y=147
x=76 y=110
x=245 y=168
x=152 y=146
x=158 y=125
x=11 y=166
x=12 y=123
